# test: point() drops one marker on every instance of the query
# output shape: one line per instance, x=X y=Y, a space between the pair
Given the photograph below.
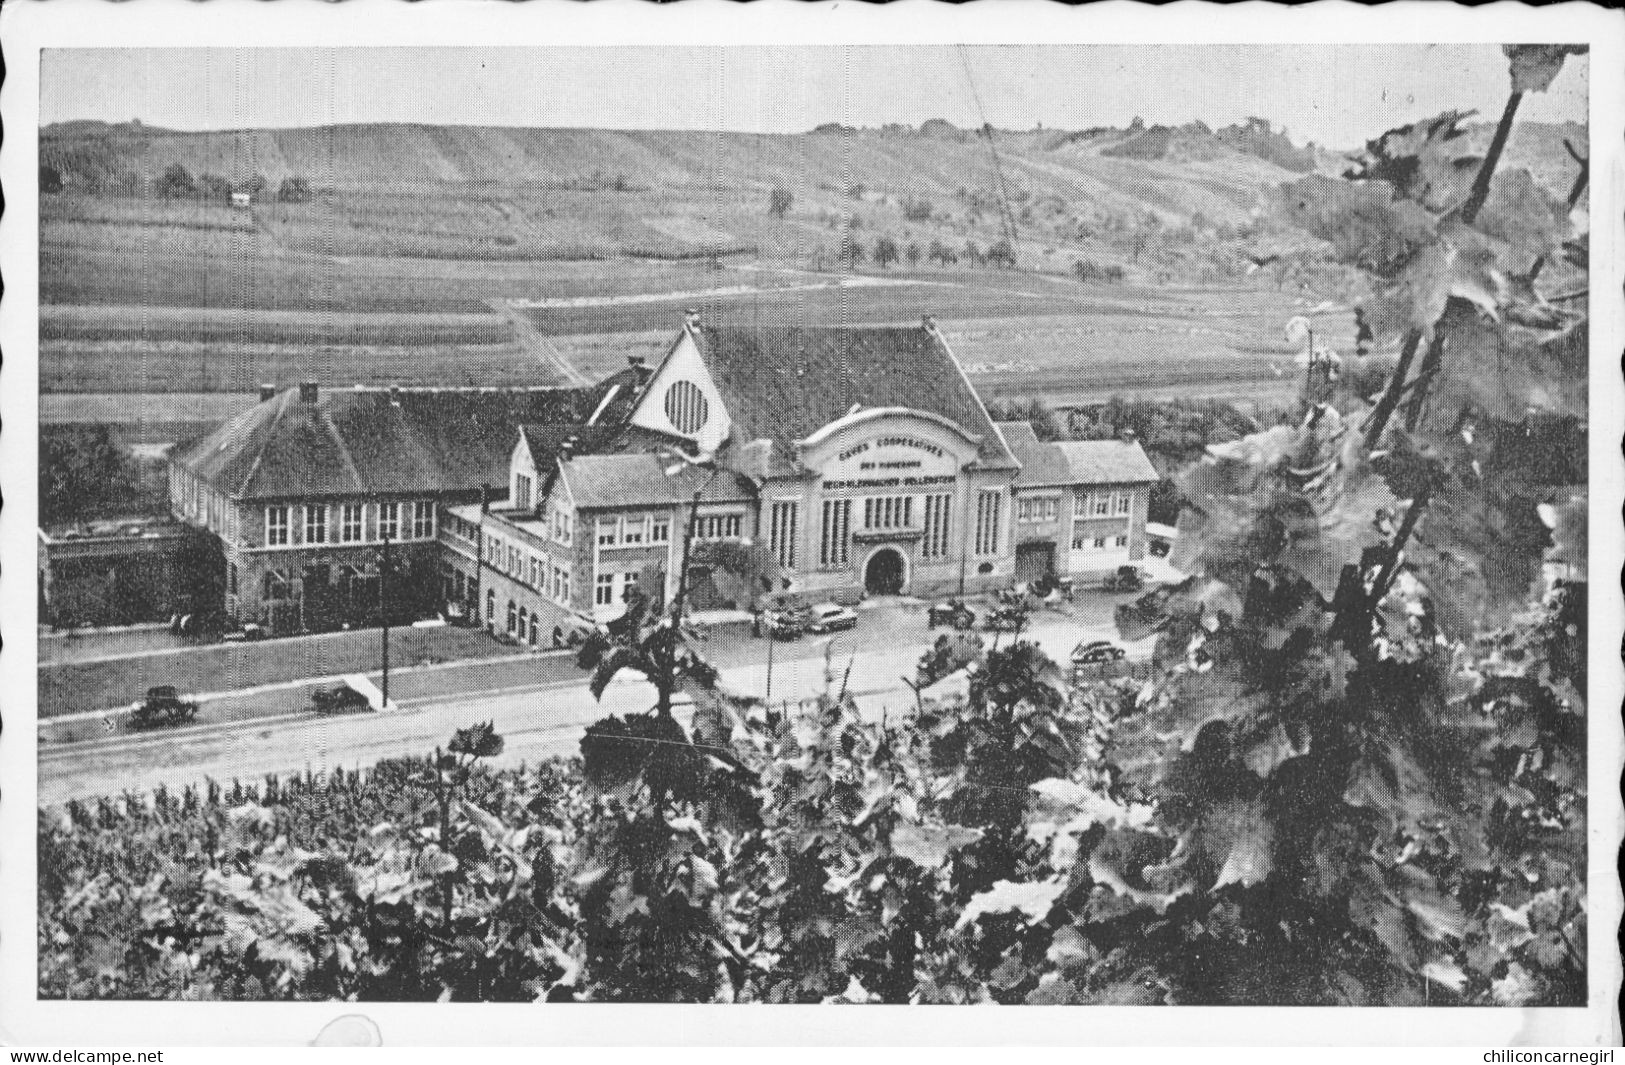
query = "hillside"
x=478 y=255
x=694 y=181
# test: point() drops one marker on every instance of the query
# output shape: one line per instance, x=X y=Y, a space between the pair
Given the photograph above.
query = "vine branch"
x=1481 y=184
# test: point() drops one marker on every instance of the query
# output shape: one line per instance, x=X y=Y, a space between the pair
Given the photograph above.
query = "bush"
x=294 y=189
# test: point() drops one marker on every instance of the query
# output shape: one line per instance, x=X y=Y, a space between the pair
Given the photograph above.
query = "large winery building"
x=835 y=461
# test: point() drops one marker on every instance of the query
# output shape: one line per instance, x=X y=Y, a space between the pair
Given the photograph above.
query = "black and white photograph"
x=956 y=522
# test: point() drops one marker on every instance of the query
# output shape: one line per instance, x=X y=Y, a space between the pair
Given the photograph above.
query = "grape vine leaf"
x=1438 y=916
x=1534 y=66
x=1528 y=221
x=1032 y=899
x=1504 y=371
x=1567 y=519
x=1302 y=497
x=1237 y=838
x=929 y=846
x=1429 y=161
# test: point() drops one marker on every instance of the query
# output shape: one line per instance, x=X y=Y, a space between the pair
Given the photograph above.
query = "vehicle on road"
x=951 y=652
x=783 y=617
x=831 y=617
x=1005 y=619
x=162 y=707
x=1126 y=579
x=340 y=699
x=1096 y=652
x=248 y=633
x=952 y=613
x=1051 y=589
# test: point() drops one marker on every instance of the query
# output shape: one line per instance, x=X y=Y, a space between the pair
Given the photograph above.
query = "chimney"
x=691 y=319
x=567 y=450
x=928 y=322
x=485 y=498
x=267 y=391
x=308 y=392
x=1130 y=436
x=635 y=361
x=394 y=395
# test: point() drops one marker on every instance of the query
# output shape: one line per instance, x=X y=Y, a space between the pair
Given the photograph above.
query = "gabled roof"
x=641 y=480
x=377 y=441
x=783 y=384
x=544 y=440
x=1041 y=463
x=1107 y=462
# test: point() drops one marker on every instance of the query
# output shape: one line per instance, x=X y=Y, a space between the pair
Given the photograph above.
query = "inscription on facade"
x=890 y=482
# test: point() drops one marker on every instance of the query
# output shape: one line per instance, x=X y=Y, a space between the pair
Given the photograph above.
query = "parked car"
x=783 y=617
x=831 y=617
x=1096 y=652
x=341 y=699
x=247 y=633
x=1126 y=579
x=787 y=624
x=163 y=706
x=461 y=615
x=1006 y=618
x=953 y=613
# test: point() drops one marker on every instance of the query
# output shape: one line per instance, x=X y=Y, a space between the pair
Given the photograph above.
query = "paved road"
x=540 y=704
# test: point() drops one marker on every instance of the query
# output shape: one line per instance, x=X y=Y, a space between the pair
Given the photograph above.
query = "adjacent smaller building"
x=1080 y=504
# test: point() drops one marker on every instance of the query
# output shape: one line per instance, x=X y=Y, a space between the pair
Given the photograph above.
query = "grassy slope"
x=389 y=274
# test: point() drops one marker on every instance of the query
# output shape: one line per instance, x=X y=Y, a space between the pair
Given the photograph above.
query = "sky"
x=1336 y=95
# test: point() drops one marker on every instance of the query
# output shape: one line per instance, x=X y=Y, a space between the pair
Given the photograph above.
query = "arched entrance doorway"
x=885 y=573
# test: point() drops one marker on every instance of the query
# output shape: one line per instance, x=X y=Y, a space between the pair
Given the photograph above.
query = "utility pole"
x=770 y=641
x=383 y=613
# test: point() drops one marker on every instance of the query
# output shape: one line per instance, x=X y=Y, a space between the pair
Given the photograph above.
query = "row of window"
x=527 y=567
x=346 y=523
x=1083 y=541
x=633 y=530
x=558 y=589
x=719 y=526
x=461 y=528
x=203 y=504
x=888 y=512
x=897 y=512
x=1086 y=505
x=610 y=588
x=1101 y=504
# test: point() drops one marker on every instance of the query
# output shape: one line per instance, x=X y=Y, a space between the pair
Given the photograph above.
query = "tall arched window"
x=490 y=604
x=513 y=616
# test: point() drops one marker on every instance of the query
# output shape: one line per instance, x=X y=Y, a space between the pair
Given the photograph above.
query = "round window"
x=686 y=406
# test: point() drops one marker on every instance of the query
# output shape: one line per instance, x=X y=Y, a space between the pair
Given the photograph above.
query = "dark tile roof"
x=372 y=441
x=1041 y=463
x=1107 y=462
x=638 y=480
x=782 y=384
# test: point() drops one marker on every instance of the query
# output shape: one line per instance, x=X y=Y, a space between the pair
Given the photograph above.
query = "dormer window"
x=686 y=407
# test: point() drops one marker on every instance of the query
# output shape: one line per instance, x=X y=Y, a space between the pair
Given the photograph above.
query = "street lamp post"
x=383 y=614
